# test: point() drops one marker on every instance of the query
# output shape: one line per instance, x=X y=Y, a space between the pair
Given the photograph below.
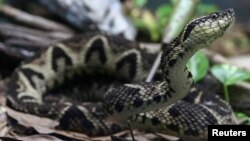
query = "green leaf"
x=204 y=9
x=198 y=65
x=140 y=3
x=163 y=10
x=243 y=116
x=147 y=23
x=228 y=74
x=173 y=2
x=163 y=14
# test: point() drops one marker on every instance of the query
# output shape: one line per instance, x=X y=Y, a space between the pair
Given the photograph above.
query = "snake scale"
x=158 y=106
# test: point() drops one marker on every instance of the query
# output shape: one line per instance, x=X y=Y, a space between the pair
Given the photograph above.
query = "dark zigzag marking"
x=97 y=46
x=12 y=85
x=58 y=53
x=29 y=73
x=130 y=59
x=188 y=30
x=75 y=119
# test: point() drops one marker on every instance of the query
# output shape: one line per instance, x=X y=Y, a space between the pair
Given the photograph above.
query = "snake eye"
x=214 y=16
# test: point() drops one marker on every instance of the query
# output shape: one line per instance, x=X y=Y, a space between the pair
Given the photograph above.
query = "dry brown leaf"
x=28 y=120
x=43 y=125
x=39 y=138
x=108 y=138
x=3 y=122
x=168 y=137
x=73 y=135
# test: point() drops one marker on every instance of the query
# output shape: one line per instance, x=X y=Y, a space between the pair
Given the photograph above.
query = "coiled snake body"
x=153 y=105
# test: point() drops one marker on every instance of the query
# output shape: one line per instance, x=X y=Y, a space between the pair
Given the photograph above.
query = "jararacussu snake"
x=151 y=105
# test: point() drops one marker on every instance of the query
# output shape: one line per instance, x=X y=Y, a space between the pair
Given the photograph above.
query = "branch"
x=31 y=20
x=18 y=35
x=16 y=53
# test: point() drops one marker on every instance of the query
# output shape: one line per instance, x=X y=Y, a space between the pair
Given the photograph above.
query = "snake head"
x=205 y=30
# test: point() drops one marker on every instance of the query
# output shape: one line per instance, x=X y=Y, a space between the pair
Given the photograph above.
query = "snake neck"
x=173 y=63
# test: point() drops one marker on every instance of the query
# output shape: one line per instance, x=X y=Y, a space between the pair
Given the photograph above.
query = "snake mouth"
x=230 y=11
x=230 y=14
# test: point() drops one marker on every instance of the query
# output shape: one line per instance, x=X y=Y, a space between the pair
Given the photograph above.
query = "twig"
x=16 y=53
x=33 y=21
x=183 y=12
x=154 y=68
x=131 y=132
x=23 y=42
x=24 y=36
x=27 y=45
x=12 y=29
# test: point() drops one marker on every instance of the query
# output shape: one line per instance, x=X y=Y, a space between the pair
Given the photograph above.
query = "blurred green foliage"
x=229 y=75
x=146 y=22
x=154 y=22
x=204 y=9
x=163 y=14
x=198 y=66
x=139 y=3
x=243 y=116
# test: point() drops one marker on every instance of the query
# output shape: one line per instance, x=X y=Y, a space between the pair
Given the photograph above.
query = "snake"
x=170 y=105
